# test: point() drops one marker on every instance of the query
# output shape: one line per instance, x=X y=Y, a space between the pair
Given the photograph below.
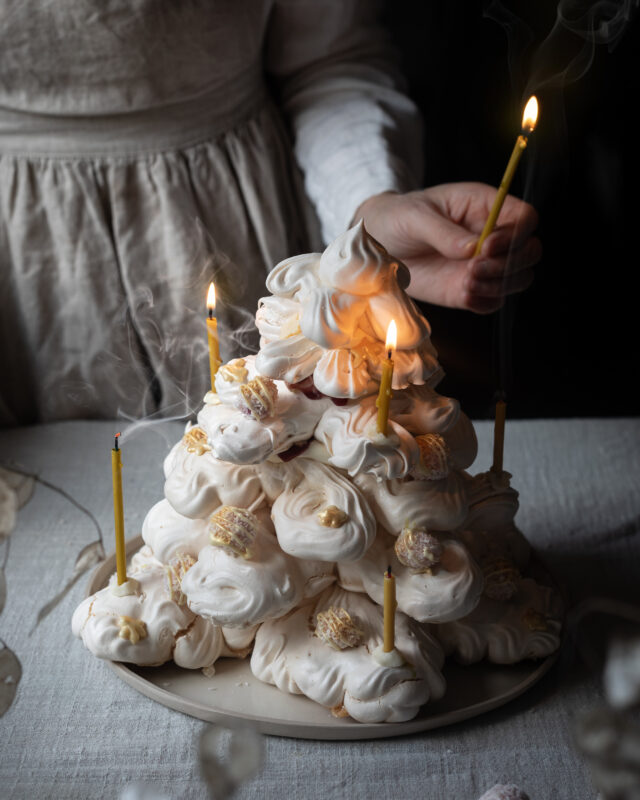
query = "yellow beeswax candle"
x=529 y=119
x=212 y=335
x=385 y=394
x=498 y=436
x=389 y=608
x=118 y=513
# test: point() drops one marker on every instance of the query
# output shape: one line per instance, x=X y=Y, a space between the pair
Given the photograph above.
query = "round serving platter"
x=233 y=695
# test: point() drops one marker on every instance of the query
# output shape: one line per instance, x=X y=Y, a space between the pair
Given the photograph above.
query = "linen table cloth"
x=76 y=731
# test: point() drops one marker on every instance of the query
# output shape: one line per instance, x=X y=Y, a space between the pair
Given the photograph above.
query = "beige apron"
x=141 y=156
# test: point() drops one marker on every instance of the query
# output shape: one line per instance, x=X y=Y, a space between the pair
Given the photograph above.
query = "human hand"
x=434 y=232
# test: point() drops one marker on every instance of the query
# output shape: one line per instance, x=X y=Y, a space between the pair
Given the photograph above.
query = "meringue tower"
x=283 y=507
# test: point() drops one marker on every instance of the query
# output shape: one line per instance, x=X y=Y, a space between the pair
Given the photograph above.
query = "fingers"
x=518 y=214
x=484 y=295
x=499 y=287
x=517 y=222
x=488 y=266
x=484 y=305
x=427 y=225
x=449 y=218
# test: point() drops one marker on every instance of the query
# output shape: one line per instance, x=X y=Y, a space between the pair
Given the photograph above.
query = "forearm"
x=355 y=133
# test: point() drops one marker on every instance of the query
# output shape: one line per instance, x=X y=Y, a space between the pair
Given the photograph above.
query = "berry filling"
x=294 y=450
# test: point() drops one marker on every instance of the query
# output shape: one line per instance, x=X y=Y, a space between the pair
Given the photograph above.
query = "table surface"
x=76 y=731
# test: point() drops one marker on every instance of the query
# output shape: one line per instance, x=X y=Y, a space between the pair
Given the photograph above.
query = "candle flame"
x=530 y=115
x=392 y=336
x=211 y=297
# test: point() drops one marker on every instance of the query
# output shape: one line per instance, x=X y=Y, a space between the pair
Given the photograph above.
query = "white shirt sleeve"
x=356 y=133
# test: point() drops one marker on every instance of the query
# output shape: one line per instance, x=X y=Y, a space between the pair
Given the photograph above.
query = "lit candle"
x=212 y=334
x=389 y=612
x=498 y=436
x=529 y=119
x=118 y=514
x=385 y=394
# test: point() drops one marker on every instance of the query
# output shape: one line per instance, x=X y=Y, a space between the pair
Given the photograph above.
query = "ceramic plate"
x=233 y=695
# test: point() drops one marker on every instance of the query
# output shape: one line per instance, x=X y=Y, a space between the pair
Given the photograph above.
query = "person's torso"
x=92 y=57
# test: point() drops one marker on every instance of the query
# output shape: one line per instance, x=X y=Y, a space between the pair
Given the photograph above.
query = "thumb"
x=430 y=227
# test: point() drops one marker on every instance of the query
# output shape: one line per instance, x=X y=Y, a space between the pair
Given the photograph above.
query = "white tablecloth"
x=76 y=731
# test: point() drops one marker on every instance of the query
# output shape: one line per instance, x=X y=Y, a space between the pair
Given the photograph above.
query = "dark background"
x=569 y=342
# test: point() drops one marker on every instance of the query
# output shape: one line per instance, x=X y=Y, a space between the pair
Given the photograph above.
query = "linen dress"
x=150 y=146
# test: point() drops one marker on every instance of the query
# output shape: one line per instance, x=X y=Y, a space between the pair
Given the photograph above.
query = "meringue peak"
x=355 y=262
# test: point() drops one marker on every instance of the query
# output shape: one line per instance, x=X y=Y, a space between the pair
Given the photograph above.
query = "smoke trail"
x=567 y=52
x=167 y=336
x=563 y=57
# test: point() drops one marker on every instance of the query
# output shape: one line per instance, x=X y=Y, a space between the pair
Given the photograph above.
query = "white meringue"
x=421 y=410
x=146 y=628
x=289 y=359
x=297 y=518
x=356 y=262
x=285 y=486
x=277 y=317
x=411 y=367
x=238 y=641
x=349 y=434
x=489 y=529
x=334 y=319
x=242 y=440
x=238 y=593
x=168 y=533
x=276 y=476
x=527 y=626
x=197 y=485
x=294 y=277
x=434 y=505
x=341 y=374
x=143 y=559
x=350 y=681
x=395 y=304
x=462 y=443
x=451 y=590
x=231 y=376
x=330 y=316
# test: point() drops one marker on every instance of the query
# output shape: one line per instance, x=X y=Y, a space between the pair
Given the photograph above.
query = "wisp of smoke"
x=172 y=359
x=567 y=51
x=563 y=57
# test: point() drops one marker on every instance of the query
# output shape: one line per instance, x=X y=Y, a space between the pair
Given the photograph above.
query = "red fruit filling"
x=294 y=450
x=307 y=387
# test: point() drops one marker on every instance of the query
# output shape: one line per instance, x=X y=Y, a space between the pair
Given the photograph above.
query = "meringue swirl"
x=300 y=531
x=239 y=593
x=97 y=621
x=294 y=277
x=197 y=485
x=168 y=533
x=349 y=434
x=499 y=632
x=434 y=505
x=350 y=681
x=450 y=591
x=356 y=262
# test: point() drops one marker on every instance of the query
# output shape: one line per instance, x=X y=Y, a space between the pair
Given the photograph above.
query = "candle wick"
x=116 y=441
x=389 y=352
x=389 y=571
x=210 y=313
